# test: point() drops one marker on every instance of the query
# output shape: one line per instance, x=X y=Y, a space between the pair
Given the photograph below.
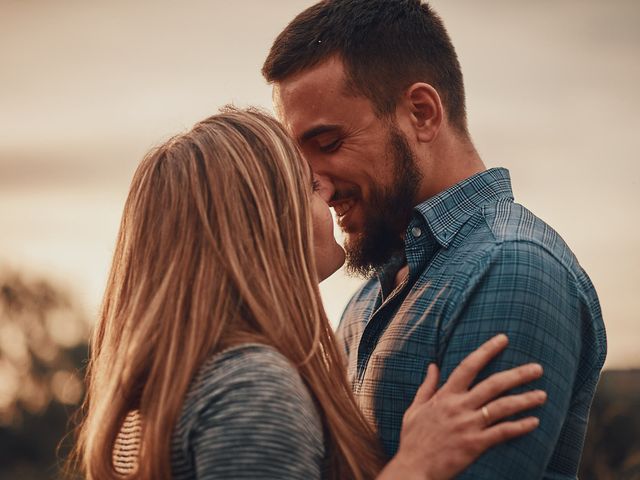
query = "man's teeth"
x=344 y=207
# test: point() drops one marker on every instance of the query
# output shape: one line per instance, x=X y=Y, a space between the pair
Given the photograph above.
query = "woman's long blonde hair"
x=215 y=248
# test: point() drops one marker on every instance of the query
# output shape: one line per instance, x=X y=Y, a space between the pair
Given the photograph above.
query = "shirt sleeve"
x=259 y=422
x=529 y=295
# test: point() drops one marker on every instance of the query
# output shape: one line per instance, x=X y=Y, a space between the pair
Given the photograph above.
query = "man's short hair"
x=386 y=46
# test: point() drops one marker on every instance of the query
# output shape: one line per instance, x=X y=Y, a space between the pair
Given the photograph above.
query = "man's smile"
x=343 y=203
x=342 y=207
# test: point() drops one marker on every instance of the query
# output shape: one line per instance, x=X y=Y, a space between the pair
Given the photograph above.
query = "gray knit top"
x=248 y=415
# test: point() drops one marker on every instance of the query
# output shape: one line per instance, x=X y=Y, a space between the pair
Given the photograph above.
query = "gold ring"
x=485 y=414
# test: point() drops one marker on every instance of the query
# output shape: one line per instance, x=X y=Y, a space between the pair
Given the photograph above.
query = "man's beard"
x=387 y=213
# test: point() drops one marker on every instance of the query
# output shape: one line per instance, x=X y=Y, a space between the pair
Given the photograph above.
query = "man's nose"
x=326 y=188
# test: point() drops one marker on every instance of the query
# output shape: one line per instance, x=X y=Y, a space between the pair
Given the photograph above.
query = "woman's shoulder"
x=246 y=358
x=249 y=411
x=245 y=377
x=245 y=367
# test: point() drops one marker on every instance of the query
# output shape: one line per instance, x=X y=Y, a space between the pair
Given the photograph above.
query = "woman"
x=213 y=334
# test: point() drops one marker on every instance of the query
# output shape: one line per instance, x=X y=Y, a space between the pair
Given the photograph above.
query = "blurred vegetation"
x=612 y=450
x=43 y=337
x=43 y=347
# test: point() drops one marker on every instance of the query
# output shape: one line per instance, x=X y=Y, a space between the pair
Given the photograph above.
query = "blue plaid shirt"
x=480 y=264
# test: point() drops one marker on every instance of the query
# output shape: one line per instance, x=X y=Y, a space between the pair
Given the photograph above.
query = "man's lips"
x=341 y=207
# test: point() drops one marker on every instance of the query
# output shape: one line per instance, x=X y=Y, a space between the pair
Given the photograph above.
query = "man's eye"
x=331 y=147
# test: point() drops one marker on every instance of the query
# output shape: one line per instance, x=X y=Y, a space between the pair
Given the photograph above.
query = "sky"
x=86 y=88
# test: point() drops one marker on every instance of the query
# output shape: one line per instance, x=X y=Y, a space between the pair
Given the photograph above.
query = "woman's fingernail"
x=535 y=368
x=501 y=339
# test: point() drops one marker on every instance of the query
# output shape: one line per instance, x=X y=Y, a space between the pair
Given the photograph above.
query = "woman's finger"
x=466 y=372
x=510 y=405
x=429 y=386
x=504 y=431
x=501 y=382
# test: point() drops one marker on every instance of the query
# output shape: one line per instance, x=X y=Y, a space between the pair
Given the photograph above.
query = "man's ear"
x=423 y=110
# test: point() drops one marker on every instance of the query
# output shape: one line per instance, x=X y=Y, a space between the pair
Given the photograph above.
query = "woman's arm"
x=445 y=430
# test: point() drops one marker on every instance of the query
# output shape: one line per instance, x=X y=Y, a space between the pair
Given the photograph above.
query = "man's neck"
x=451 y=161
x=401 y=275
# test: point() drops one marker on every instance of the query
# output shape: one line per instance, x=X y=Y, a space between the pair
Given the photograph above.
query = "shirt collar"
x=447 y=212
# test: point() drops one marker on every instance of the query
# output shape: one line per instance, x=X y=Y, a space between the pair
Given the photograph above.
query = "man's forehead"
x=329 y=74
x=310 y=99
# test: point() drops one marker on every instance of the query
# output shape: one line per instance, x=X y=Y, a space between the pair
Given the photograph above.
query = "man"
x=372 y=92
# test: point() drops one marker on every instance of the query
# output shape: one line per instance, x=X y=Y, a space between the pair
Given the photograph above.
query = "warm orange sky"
x=87 y=87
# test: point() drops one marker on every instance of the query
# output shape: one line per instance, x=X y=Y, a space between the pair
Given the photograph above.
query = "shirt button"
x=416 y=232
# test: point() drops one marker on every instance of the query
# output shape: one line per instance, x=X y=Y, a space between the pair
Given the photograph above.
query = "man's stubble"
x=387 y=213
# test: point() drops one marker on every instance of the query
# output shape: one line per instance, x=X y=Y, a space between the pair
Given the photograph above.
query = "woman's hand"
x=444 y=431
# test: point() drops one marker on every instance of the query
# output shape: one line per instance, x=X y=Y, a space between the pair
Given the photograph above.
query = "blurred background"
x=86 y=88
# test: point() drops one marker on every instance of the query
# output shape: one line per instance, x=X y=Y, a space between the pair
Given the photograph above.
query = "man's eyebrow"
x=315 y=131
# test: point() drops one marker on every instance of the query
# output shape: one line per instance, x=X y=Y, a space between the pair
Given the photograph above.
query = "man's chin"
x=362 y=258
x=354 y=258
x=349 y=225
x=368 y=253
